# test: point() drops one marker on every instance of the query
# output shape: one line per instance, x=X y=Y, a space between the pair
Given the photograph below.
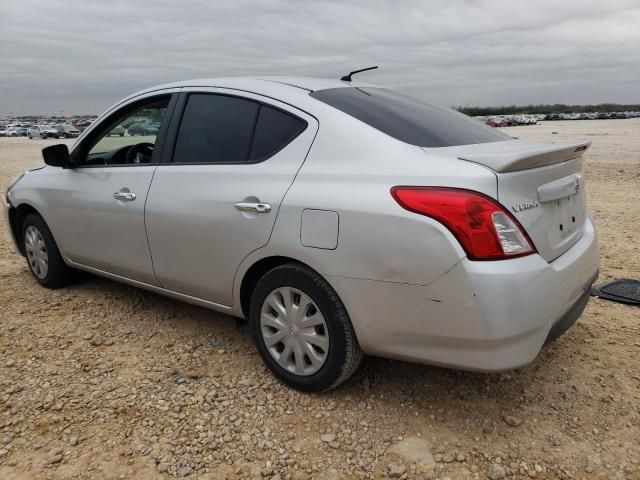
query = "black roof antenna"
x=347 y=78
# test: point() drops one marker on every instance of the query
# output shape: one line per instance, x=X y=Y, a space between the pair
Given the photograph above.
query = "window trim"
x=176 y=122
x=81 y=149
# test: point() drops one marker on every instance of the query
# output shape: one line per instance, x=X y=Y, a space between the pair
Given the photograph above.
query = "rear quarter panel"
x=350 y=170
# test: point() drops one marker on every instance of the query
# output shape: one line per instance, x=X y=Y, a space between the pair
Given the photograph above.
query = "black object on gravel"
x=623 y=291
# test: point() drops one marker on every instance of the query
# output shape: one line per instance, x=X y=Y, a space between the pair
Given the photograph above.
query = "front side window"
x=129 y=137
x=228 y=129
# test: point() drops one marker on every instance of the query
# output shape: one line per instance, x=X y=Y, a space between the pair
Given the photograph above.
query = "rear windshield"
x=407 y=119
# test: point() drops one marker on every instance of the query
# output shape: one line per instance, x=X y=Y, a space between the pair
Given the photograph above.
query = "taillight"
x=484 y=228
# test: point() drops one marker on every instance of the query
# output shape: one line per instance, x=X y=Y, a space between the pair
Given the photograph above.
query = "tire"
x=30 y=137
x=343 y=355
x=57 y=273
x=43 y=136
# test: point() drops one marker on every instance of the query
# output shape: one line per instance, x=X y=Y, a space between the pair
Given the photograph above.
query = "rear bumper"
x=484 y=316
x=569 y=318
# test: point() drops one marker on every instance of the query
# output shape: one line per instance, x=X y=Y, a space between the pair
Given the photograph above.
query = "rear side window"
x=407 y=119
x=226 y=129
x=274 y=130
x=216 y=129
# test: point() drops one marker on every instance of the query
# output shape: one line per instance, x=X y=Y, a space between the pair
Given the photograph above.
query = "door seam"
x=146 y=231
x=165 y=131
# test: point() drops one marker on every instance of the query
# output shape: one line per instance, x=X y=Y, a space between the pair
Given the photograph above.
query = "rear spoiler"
x=528 y=155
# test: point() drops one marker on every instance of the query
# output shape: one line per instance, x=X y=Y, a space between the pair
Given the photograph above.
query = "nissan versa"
x=338 y=218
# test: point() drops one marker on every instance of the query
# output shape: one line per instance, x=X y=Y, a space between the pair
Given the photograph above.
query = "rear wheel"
x=302 y=329
x=43 y=256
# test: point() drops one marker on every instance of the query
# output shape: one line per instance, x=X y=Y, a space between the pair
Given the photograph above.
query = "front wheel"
x=302 y=330
x=43 y=256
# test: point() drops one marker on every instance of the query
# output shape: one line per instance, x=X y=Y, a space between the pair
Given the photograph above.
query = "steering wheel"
x=140 y=153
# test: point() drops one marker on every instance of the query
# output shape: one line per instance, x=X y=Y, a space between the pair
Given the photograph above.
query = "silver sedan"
x=338 y=218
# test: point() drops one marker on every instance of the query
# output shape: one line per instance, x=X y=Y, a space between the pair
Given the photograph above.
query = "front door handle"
x=125 y=196
x=253 y=207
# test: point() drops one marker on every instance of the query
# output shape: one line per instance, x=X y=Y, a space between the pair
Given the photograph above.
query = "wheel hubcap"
x=36 y=251
x=294 y=331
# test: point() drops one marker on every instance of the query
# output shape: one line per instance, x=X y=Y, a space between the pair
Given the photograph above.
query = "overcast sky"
x=82 y=56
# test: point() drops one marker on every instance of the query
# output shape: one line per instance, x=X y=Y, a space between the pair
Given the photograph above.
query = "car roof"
x=282 y=88
x=305 y=83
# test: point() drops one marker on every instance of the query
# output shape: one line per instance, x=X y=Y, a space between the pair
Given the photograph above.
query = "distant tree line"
x=555 y=108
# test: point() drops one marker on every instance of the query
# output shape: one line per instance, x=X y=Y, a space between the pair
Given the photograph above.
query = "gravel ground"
x=101 y=380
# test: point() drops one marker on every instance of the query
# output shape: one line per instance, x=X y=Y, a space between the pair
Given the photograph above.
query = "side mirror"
x=57 y=155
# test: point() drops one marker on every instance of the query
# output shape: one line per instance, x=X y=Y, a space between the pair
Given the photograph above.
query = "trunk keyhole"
x=561 y=227
x=573 y=219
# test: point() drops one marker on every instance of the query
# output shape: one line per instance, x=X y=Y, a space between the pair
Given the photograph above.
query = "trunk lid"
x=542 y=186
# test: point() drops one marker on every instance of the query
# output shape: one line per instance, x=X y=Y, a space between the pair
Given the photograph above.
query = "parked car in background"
x=66 y=130
x=523 y=119
x=143 y=129
x=82 y=125
x=459 y=246
x=3 y=131
x=17 y=132
x=43 y=131
x=127 y=123
x=497 y=122
x=117 y=131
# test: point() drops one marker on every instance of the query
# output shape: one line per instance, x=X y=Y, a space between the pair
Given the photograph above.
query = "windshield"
x=407 y=119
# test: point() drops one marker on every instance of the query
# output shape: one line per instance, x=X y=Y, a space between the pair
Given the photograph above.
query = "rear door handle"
x=125 y=196
x=253 y=207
